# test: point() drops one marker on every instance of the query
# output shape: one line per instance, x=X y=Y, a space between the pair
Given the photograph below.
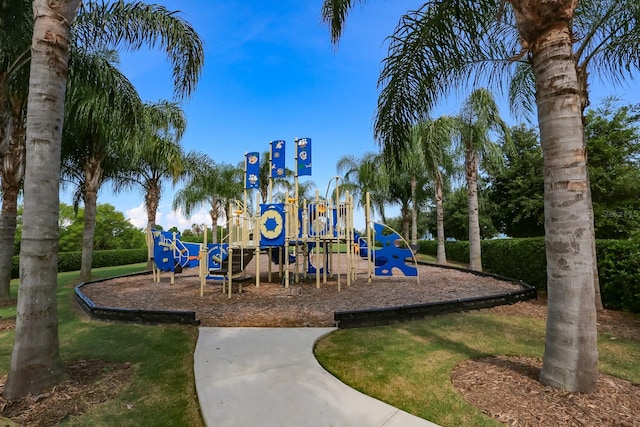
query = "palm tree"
x=100 y=25
x=607 y=42
x=158 y=155
x=102 y=105
x=478 y=118
x=15 y=36
x=35 y=360
x=365 y=174
x=399 y=173
x=444 y=45
x=410 y=161
x=214 y=185
x=434 y=137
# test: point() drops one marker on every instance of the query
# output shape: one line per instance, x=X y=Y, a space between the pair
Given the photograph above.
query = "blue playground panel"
x=170 y=258
x=395 y=256
x=163 y=251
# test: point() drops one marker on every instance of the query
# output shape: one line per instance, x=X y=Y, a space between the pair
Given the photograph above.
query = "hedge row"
x=525 y=259
x=71 y=261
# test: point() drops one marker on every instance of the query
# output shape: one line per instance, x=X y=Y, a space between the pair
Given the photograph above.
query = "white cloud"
x=138 y=217
x=177 y=218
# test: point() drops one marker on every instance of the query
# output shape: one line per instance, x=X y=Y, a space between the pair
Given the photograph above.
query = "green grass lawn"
x=409 y=365
x=162 y=392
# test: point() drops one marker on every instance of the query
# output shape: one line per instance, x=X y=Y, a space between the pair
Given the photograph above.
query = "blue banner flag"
x=252 y=170
x=304 y=156
x=277 y=159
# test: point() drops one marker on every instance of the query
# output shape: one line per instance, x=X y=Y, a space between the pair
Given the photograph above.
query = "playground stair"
x=240 y=258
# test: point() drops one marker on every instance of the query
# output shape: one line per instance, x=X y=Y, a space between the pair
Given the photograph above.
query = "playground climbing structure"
x=301 y=237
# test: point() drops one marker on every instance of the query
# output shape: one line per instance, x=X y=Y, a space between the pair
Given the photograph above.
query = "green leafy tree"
x=113 y=230
x=365 y=174
x=613 y=143
x=456 y=216
x=517 y=190
x=101 y=116
x=409 y=166
x=158 y=155
x=102 y=105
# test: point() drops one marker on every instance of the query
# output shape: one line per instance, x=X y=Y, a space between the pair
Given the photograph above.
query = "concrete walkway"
x=269 y=377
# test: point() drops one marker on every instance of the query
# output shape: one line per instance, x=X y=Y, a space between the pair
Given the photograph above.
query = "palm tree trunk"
x=90 y=208
x=214 y=224
x=35 y=360
x=475 y=251
x=441 y=254
x=570 y=358
x=12 y=176
x=93 y=180
x=152 y=200
x=7 y=235
x=584 y=102
x=414 y=212
x=406 y=221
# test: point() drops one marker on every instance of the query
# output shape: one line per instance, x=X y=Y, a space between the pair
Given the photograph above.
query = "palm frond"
x=334 y=14
x=130 y=25
x=434 y=50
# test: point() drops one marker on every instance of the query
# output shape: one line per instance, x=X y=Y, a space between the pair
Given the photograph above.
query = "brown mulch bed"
x=86 y=383
x=505 y=388
x=300 y=305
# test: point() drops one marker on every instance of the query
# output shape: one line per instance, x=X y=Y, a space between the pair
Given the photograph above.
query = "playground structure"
x=299 y=236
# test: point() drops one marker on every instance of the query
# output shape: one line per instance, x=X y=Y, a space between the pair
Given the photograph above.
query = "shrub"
x=71 y=261
x=525 y=259
x=619 y=272
x=522 y=259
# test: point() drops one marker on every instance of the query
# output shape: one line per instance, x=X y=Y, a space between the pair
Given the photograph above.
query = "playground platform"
x=269 y=377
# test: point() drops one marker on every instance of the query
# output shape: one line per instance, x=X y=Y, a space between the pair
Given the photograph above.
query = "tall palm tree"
x=102 y=105
x=606 y=44
x=158 y=155
x=16 y=28
x=410 y=162
x=435 y=137
x=35 y=360
x=478 y=118
x=99 y=27
x=215 y=185
x=444 y=45
x=35 y=363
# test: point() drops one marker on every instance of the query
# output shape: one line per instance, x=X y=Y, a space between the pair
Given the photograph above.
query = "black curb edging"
x=343 y=319
x=406 y=313
x=131 y=315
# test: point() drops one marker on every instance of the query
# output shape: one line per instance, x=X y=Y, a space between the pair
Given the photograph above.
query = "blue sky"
x=271 y=73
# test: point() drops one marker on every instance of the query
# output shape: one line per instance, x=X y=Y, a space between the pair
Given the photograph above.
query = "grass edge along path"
x=162 y=391
x=409 y=365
